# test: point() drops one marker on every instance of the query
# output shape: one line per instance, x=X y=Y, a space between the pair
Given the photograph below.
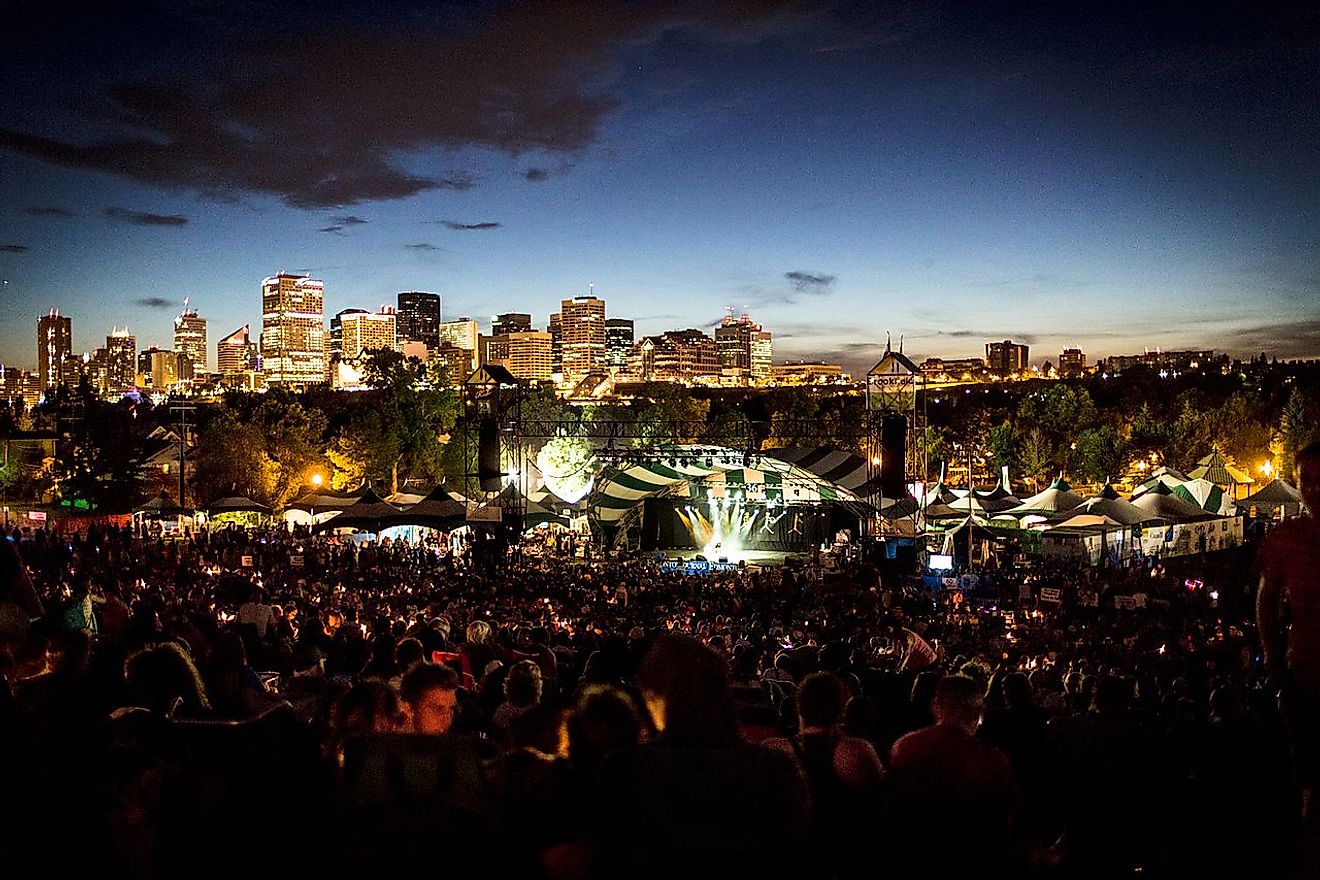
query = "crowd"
x=276 y=704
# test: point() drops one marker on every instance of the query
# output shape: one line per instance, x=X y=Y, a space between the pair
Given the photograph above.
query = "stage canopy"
x=680 y=472
x=847 y=470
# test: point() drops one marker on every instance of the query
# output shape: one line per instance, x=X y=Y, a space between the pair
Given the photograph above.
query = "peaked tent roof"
x=323 y=502
x=439 y=509
x=1220 y=471
x=369 y=513
x=1276 y=491
x=1057 y=498
x=1108 y=503
x=1165 y=477
x=534 y=514
x=236 y=504
x=846 y=469
x=1166 y=504
x=1203 y=494
x=162 y=505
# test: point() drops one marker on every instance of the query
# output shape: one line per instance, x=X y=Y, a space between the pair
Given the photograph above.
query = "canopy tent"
x=847 y=470
x=1163 y=502
x=940 y=511
x=533 y=513
x=326 y=501
x=404 y=499
x=1167 y=477
x=1219 y=470
x=438 y=509
x=1274 y=496
x=689 y=470
x=1086 y=521
x=162 y=506
x=1058 y=498
x=236 y=504
x=1108 y=504
x=938 y=494
x=969 y=503
x=369 y=514
x=1204 y=494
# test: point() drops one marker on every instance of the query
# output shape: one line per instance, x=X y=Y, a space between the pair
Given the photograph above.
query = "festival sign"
x=1051 y=594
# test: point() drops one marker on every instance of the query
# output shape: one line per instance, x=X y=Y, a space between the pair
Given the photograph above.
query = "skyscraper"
x=510 y=322
x=745 y=348
x=618 y=341
x=529 y=355
x=582 y=328
x=555 y=327
x=236 y=354
x=337 y=331
x=190 y=343
x=120 y=360
x=462 y=333
x=361 y=332
x=1072 y=363
x=293 y=341
x=418 y=318
x=1005 y=358
x=54 y=343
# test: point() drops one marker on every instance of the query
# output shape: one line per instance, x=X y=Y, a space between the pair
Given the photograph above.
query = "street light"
x=317 y=480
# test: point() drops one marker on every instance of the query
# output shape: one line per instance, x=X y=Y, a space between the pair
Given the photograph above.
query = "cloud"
x=536 y=175
x=423 y=246
x=255 y=112
x=334 y=230
x=13 y=248
x=153 y=302
x=48 y=211
x=450 y=224
x=143 y=218
x=1296 y=340
x=810 y=282
x=350 y=220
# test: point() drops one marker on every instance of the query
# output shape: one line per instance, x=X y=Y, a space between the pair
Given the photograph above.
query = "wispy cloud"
x=13 y=248
x=144 y=218
x=153 y=302
x=536 y=175
x=423 y=246
x=336 y=229
x=810 y=282
x=350 y=220
x=452 y=224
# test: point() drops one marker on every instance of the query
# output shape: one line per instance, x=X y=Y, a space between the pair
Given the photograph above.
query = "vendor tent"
x=162 y=506
x=368 y=514
x=1219 y=470
x=1165 y=503
x=439 y=509
x=1206 y=495
x=1274 y=497
x=1109 y=504
x=326 y=501
x=236 y=504
x=1057 y=498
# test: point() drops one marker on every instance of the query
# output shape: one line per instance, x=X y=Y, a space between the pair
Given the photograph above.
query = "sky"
x=1102 y=175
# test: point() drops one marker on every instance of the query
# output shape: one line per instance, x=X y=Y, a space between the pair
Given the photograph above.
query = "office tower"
x=190 y=343
x=293 y=329
x=556 y=330
x=456 y=362
x=236 y=354
x=618 y=342
x=418 y=318
x=361 y=332
x=529 y=355
x=582 y=329
x=745 y=348
x=462 y=333
x=1072 y=362
x=159 y=368
x=54 y=343
x=510 y=322
x=337 y=331
x=675 y=356
x=120 y=360
x=1005 y=358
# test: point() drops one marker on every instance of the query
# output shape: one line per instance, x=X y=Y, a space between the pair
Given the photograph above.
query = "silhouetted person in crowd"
x=431 y=693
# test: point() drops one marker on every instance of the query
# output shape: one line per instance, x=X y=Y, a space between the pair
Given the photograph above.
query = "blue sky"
x=1100 y=176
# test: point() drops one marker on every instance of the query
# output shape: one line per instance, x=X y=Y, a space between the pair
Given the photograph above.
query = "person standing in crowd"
x=430 y=692
x=1288 y=616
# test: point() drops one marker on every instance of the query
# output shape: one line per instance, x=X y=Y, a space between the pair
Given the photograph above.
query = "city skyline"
x=1082 y=177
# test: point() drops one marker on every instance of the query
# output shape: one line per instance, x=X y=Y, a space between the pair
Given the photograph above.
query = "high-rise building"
x=1072 y=362
x=556 y=328
x=745 y=348
x=510 y=322
x=120 y=360
x=419 y=317
x=456 y=362
x=336 y=335
x=1005 y=358
x=159 y=368
x=462 y=333
x=618 y=342
x=190 y=343
x=582 y=328
x=54 y=343
x=675 y=356
x=361 y=332
x=529 y=355
x=293 y=341
x=236 y=354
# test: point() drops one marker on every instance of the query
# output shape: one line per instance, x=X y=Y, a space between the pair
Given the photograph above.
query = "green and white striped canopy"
x=685 y=475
